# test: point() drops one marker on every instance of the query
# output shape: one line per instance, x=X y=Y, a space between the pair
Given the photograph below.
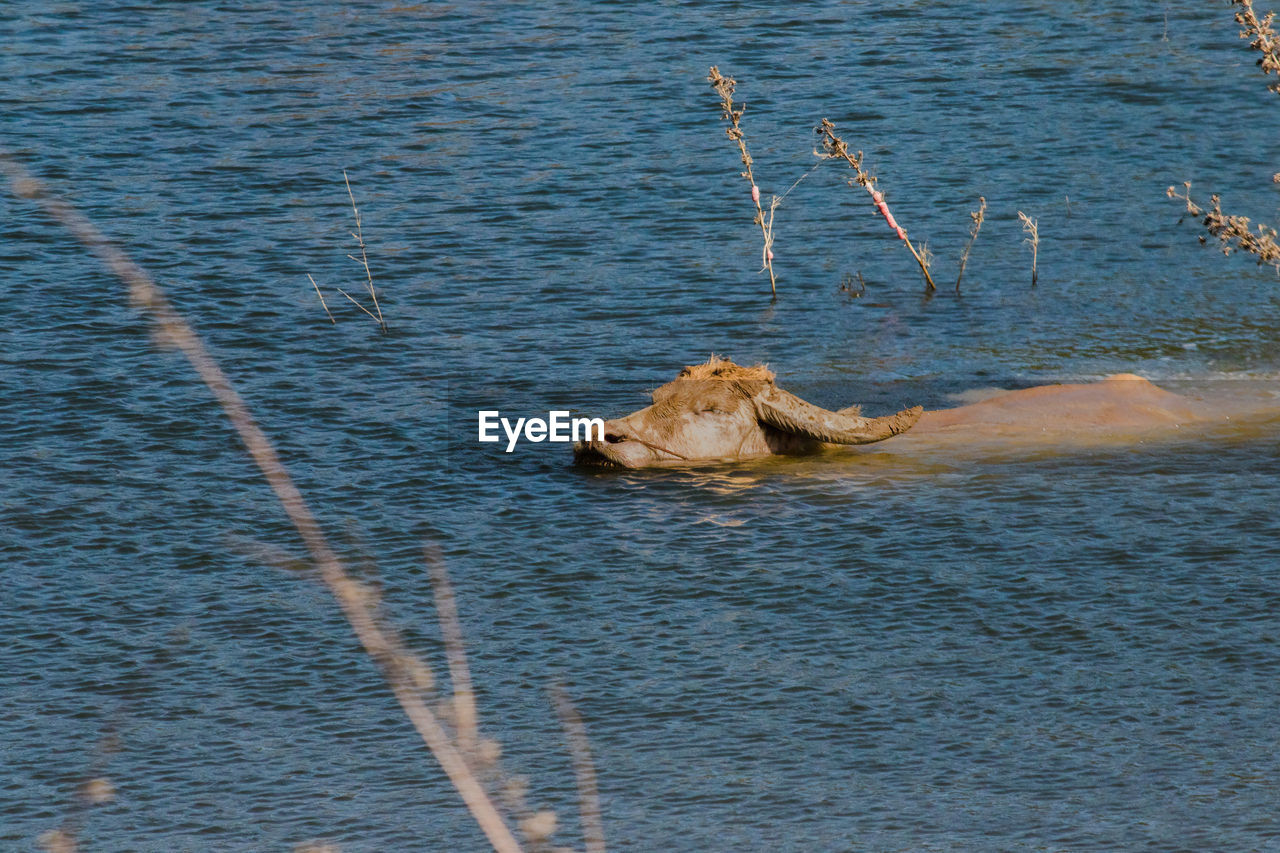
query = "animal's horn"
x=787 y=412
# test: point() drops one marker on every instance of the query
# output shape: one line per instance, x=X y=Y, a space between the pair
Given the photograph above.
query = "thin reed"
x=363 y=259
x=834 y=147
x=1031 y=228
x=323 y=304
x=975 y=225
x=469 y=762
x=575 y=735
x=724 y=87
x=464 y=700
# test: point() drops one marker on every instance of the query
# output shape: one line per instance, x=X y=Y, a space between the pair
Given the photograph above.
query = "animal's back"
x=1122 y=403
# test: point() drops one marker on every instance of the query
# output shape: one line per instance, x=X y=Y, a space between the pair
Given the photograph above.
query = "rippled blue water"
x=1071 y=650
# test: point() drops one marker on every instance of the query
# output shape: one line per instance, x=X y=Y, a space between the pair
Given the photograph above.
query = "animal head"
x=723 y=411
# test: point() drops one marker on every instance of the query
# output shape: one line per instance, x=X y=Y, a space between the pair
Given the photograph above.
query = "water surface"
x=1054 y=650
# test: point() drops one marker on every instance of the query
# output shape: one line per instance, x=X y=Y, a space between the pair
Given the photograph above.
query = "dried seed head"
x=488 y=752
x=26 y=188
x=97 y=791
x=366 y=594
x=515 y=789
x=57 y=841
x=414 y=671
x=1265 y=40
x=1234 y=232
x=539 y=826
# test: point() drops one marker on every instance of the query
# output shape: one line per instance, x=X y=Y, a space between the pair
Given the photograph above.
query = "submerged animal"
x=721 y=411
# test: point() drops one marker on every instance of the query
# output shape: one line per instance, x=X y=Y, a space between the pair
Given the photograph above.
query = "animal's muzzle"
x=590 y=453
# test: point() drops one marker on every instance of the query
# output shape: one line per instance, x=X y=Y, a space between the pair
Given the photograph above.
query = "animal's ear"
x=787 y=412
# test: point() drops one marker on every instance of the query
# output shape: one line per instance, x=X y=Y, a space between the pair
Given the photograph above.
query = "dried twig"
x=848 y=286
x=724 y=86
x=975 y=226
x=1264 y=38
x=58 y=841
x=1233 y=232
x=834 y=147
x=1032 y=229
x=322 y=302
x=464 y=700
x=359 y=305
x=353 y=597
x=584 y=770
x=94 y=790
x=363 y=259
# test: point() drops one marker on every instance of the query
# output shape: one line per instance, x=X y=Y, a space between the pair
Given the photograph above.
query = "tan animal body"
x=721 y=412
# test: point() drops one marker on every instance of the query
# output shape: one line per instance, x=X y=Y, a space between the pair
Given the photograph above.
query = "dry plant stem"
x=1031 y=227
x=96 y=789
x=464 y=704
x=975 y=226
x=724 y=87
x=835 y=147
x=356 y=302
x=1233 y=232
x=349 y=593
x=364 y=258
x=58 y=841
x=322 y=302
x=584 y=770
x=1264 y=38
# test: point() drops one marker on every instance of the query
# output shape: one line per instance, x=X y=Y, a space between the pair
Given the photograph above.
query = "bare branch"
x=322 y=302
x=1233 y=232
x=364 y=258
x=356 y=604
x=1032 y=229
x=1264 y=38
x=836 y=148
x=724 y=86
x=575 y=734
x=975 y=226
x=464 y=704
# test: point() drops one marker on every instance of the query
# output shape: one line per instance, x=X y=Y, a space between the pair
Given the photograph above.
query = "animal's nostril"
x=614 y=438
